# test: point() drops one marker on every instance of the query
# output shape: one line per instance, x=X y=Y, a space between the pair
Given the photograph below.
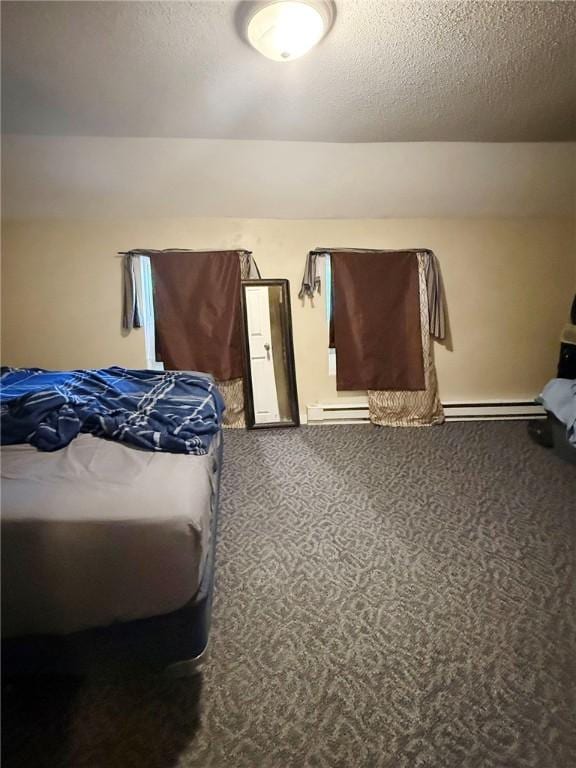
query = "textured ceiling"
x=388 y=71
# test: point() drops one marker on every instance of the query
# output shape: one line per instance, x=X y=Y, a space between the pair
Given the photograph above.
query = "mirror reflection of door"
x=271 y=398
x=265 y=397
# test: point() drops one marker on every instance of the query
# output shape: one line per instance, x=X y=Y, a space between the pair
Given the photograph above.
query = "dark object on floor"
x=385 y=598
x=562 y=447
x=540 y=430
x=551 y=433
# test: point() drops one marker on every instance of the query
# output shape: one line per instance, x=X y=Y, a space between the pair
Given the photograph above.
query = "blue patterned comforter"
x=177 y=412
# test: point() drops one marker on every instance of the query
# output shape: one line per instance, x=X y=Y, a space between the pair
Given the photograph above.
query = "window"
x=328 y=294
x=146 y=304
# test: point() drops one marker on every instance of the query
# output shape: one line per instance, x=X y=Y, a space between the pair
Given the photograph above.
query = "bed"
x=108 y=548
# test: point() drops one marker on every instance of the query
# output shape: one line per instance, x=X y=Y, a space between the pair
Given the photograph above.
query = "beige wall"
x=509 y=283
x=79 y=176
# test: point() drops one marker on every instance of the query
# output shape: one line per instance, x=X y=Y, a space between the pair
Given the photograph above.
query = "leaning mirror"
x=270 y=393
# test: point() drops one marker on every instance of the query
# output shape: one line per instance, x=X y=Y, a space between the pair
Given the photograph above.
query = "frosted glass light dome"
x=288 y=29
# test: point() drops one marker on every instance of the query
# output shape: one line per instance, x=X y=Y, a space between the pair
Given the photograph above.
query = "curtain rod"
x=371 y=250
x=140 y=251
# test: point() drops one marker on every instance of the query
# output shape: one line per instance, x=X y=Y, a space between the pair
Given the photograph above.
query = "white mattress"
x=100 y=532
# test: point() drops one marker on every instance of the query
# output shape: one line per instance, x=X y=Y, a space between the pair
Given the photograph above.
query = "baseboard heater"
x=489 y=410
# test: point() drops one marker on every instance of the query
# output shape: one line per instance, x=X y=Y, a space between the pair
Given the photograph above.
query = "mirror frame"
x=289 y=348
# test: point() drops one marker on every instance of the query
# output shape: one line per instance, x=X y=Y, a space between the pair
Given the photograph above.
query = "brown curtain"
x=197 y=311
x=418 y=408
x=233 y=390
x=377 y=330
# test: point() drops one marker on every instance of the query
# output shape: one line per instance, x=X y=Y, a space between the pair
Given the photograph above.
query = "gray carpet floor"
x=385 y=598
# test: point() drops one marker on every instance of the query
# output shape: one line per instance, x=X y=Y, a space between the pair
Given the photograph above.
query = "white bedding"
x=100 y=532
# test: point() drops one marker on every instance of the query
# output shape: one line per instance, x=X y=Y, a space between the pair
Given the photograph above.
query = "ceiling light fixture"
x=287 y=29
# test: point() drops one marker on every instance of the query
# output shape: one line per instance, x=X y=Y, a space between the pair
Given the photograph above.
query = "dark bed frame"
x=175 y=643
